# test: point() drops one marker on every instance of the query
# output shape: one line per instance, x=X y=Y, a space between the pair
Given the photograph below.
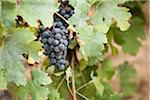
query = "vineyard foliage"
x=97 y=25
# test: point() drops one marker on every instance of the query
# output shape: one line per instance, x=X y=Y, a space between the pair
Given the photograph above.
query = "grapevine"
x=66 y=49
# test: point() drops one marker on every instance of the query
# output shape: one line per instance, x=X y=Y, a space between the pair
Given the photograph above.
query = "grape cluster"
x=55 y=39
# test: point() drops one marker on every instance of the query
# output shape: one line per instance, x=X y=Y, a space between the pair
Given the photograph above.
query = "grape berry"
x=55 y=39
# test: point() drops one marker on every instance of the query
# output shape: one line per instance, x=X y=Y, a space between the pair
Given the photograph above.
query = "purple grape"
x=50 y=40
x=58 y=36
x=56 y=49
x=67 y=16
x=55 y=42
x=53 y=61
x=61 y=47
x=62 y=11
x=65 y=42
x=61 y=67
x=44 y=40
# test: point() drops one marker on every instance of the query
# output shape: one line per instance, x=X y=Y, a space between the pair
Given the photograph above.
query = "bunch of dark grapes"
x=55 y=39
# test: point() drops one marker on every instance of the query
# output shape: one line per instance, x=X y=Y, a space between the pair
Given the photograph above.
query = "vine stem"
x=70 y=26
x=84 y=85
x=82 y=96
x=73 y=78
x=61 y=82
x=62 y=17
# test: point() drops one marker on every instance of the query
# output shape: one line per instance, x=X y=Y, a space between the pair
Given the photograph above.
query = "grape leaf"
x=94 y=40
x=108 y=13
x=7 y=13
x=33 y=49
x=98 y=85
x=130 y=39
x=111 y=42
x=2 y=34
x=11 y=1
x=136 y=8
x=38 y=92
x=116 y=97
x=3 y=80
x=94 y=60
x=40 y=77
x=22 y=93
x=11 y=54
x=106 y=70
x=36 y=87
x=107 y=93
x=94 y=1
x=80 y=16
x=87 y=53
x=128 y=79
x=0 y=11
x=54 y=94
x=30 y=10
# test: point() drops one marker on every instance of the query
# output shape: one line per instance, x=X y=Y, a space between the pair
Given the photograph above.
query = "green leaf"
x=128 y=79
x=94 y=1
x=3 y=80
x=23 y=93
x=34 y=86
x=107 y=91
x=53 y=94
x=80 y=16
x=92 y=48
x=98 y=85
x=108 y=13
x=38 y=92
x=37 y=86
x=111 y=42
x=11 y=54
x=40 y=77
x=116 y=97
x=130 y=39
x=11 y=1
x=94 y=60
x=7 y=13
x=136 y=8
x=2 y=34
x=94 y=42
x=30 y=10
x=33 y=48
x=106 y=70
x=20 y=92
